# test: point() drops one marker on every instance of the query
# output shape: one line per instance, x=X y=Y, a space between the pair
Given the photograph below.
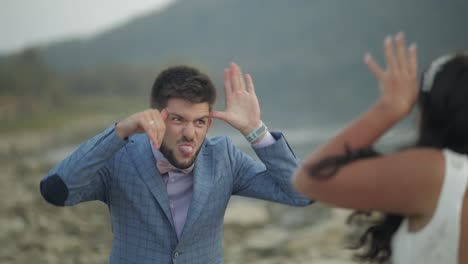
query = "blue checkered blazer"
x=123 y=174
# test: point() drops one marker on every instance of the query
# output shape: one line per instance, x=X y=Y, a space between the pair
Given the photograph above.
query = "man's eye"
x=175 y=118
x=200 y=122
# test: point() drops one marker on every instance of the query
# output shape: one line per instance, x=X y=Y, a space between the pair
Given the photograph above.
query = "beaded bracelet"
x=255 y=134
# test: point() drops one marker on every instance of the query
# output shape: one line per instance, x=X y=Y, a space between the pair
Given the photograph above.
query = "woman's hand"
x=399 y=80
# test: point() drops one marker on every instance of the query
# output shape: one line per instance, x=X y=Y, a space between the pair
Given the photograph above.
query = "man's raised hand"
x=242 y=107
x=151 y=122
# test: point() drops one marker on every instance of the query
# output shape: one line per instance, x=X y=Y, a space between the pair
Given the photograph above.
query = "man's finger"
x=236 y=78
x=149 y=129
x=151 y=119
x=227 y=83
x=218 y=115
x=240 y=76
x=159 y=126
x=249 y=83
x=164 y=114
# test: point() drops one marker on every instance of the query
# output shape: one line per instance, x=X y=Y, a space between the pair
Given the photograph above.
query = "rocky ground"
x=32 y=231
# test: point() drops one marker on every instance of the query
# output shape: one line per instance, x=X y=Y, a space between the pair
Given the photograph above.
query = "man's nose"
x=189 y=131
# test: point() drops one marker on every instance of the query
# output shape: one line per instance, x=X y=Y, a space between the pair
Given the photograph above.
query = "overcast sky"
x=31 y=22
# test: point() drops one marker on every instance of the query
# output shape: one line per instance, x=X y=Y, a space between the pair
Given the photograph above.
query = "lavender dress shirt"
x=179 y=187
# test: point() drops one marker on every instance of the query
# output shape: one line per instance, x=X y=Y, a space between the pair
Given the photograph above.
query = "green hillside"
x=305 y=56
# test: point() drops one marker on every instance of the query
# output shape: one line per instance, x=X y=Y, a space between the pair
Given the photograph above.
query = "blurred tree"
x=28 y=86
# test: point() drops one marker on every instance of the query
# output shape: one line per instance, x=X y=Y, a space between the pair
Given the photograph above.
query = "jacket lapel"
x=143 y=158
x=202 y=184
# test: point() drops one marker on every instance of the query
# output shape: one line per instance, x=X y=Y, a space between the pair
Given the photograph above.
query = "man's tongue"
x=186 y=150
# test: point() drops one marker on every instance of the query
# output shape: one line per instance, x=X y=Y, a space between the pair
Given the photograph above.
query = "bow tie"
x=165 y=166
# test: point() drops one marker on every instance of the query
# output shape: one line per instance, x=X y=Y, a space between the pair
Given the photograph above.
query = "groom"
x=166 y=185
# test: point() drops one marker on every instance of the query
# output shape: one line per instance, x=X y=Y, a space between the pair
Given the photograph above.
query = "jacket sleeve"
x=84 y=174
x=270 y=179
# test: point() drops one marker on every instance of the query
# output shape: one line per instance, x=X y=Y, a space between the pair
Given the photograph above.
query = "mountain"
x=305 y=56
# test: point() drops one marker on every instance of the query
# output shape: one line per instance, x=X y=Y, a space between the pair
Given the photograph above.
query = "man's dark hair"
x=182 y=82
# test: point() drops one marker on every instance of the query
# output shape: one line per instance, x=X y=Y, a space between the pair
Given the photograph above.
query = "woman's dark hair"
x=444 y=124
x=182 y=82
x=443 y=105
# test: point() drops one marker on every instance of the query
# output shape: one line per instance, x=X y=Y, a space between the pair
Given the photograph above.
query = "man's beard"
x=170 y=156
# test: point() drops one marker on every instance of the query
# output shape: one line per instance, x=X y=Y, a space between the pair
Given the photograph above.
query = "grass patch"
x=87 y=110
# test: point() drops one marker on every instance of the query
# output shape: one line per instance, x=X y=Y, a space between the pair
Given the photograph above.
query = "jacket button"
x=175 y=255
